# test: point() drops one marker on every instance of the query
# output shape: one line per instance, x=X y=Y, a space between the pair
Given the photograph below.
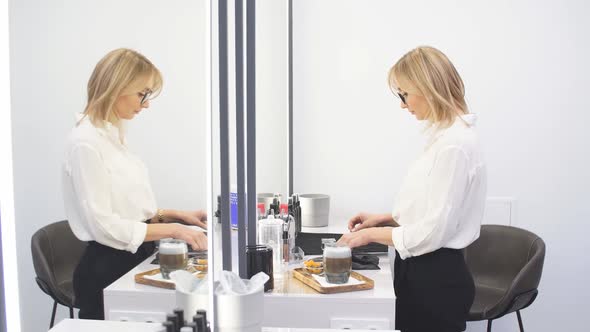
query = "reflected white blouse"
x=106 y=189
x=441 y=201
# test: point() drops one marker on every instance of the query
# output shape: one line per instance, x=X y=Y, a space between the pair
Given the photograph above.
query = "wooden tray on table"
x=140 y=278
x=307 y=278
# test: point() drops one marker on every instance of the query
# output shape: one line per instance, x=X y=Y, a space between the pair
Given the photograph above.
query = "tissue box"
x=243 y=313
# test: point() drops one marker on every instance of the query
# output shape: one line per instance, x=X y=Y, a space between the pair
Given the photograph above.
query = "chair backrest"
x=507 y=257
x=56 y=252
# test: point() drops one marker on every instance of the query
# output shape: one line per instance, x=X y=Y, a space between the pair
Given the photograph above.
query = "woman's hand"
x=196 y=239
x=364 y=220
x=197 y=218
x=362 y=237
x=358 y=238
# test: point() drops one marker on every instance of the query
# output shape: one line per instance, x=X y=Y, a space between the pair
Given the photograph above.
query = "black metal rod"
x=239 y=28
x=519 y=321
x=489 y=325
x=53 y=314
x=71 y=312
x=251 y=116
x=224 y=137
x=290 y=97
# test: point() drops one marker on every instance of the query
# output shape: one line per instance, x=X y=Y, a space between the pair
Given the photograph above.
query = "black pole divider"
x=242 y=207
x=251 y=116
x=224 y=138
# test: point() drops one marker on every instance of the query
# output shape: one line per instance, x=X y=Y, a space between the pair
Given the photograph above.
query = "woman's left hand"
x=358 y=238
x=365 y=236
x=197 y=218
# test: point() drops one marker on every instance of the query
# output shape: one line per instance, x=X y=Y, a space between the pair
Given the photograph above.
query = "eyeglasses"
x=401 y=95
x=144 y=96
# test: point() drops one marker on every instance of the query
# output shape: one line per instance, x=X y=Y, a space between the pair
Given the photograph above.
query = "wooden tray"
x=140 y=279
x=306 y=277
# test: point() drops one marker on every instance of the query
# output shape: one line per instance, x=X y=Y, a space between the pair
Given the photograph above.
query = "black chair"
x=506 y=263
x=56 y=252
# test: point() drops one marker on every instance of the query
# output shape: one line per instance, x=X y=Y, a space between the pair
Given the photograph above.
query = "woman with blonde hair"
x=107 y=192
x=439 y=207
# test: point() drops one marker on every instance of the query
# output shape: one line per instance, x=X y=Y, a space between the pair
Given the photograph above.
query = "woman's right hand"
x=364 y=220
x=196 y=239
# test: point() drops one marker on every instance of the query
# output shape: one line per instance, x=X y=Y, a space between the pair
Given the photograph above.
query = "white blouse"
x=106 y=189
x=441 y=201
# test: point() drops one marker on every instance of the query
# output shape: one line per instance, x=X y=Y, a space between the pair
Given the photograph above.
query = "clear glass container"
x=270 y=233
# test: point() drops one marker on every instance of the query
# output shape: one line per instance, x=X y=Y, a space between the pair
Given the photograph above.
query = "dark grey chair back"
x=56 y=252
x=506 y=263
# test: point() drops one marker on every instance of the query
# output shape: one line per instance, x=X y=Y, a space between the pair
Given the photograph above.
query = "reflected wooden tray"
x=140 y=278
x=305 y=277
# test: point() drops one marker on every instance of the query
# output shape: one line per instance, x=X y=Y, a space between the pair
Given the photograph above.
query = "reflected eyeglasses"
x=144 y=96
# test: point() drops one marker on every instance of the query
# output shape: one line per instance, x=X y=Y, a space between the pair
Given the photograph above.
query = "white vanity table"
x=291 y=304
x=76 y=325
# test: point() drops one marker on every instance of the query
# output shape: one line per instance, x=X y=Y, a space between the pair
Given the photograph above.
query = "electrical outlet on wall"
x=500 y=211
x=360 y=323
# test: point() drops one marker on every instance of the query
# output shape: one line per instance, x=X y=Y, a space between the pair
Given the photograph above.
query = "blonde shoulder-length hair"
x=426 y=71
x=113 y=74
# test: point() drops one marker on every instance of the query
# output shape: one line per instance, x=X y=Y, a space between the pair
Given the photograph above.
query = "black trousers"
x=434 y=292
x=99 y=267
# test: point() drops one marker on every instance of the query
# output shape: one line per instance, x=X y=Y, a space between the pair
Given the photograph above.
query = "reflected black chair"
x=56 y=252
x=506 y=263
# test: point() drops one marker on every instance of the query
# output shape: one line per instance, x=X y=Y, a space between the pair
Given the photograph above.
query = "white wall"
x=525 y=66
x=10 y=316
x=272 y=106
x=54 y=46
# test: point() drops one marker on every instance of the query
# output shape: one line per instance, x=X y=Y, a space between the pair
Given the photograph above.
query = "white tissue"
x=231 y=284
x=186 y=282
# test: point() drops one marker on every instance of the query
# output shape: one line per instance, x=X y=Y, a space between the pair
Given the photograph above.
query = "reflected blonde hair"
x=426 y=71
x=113 y=74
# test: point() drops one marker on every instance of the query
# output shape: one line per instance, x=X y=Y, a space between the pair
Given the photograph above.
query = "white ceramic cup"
x=315 y=210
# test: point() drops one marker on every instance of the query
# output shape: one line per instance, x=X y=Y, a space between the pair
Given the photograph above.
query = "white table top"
x=86 y=325
x=77 y=325
x=284 y=287
x=125 y=299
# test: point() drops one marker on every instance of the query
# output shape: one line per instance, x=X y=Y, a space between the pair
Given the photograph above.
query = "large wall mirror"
x=53 y=50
